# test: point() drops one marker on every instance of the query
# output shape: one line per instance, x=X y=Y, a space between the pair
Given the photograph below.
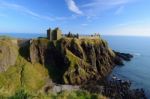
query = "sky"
x=107 y=17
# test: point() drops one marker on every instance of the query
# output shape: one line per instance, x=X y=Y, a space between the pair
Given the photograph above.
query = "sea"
x=137 y=70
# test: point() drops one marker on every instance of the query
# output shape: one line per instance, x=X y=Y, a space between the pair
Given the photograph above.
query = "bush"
x=21 y=94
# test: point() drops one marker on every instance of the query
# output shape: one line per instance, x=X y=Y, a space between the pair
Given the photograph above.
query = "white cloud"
x=23 y=9
x=73 y=7
x=96 y=8
x=106 y=3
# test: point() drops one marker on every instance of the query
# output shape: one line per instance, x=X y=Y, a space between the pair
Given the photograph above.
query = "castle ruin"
x=55 y=34
x=94 y=36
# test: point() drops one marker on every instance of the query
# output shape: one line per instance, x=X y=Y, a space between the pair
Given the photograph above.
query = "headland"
x=39 y=65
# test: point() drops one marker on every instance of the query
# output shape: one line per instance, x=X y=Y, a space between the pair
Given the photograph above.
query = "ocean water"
x=24 y=35
x=137 y=70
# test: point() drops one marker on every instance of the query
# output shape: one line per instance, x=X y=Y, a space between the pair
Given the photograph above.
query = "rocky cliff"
x=16 y=72
x=8 y=54
x=73 y=61
x=31 y=64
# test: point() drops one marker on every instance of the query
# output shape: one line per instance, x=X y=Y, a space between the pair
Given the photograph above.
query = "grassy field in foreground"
x=62 y=95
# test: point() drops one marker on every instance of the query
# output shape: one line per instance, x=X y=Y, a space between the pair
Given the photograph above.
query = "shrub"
x=21 y=94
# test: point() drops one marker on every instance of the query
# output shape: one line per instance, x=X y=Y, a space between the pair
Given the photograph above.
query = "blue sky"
x=107 y=17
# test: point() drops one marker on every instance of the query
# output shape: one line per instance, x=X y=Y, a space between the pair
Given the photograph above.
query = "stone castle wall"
x=96 y=36
x=89 y=36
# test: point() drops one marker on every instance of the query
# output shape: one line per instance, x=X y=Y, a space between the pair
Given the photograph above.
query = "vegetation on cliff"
x=71 y=60
x=21 y=74
x=21 y=94
x=8 y=53
x=30 y=64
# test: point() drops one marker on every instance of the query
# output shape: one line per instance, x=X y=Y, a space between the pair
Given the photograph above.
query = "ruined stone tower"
x=55 y=34
x=49 y=34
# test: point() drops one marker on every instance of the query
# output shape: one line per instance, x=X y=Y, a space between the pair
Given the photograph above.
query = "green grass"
x=74 y=64
x=76 y=95
x=10 y=80
x=34 y=76
x=31 y=77
x=21 y=94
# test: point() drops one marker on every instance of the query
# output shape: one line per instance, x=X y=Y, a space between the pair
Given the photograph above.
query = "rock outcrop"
x=8 y=54
x=74 y=60
x=16 y=71
x=120 y=57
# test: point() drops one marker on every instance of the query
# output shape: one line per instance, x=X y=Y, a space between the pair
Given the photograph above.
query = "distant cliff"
x=31 y=64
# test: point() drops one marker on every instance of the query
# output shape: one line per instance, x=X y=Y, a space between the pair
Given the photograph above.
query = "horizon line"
x=2 y=34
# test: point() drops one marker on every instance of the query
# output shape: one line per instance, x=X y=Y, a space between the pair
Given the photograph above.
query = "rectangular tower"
x=49 y=34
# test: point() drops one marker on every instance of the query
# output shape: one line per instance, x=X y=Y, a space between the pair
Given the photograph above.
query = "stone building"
x=55 y=34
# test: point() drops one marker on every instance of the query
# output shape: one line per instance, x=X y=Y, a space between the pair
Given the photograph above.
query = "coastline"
x=114 y=88
x=118 y=61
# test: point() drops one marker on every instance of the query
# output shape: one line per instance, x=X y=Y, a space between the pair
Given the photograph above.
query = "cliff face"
x=8 y=54
x=16 y=72
x=73 y=61
x=33 y=63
